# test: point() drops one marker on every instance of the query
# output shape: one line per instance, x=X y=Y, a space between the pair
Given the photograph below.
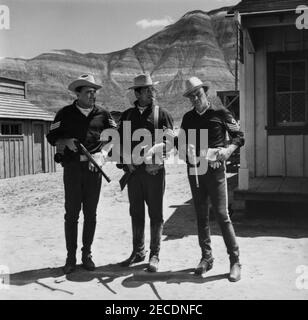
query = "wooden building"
x=23 y=145
x=273 y=101
x=230 y=100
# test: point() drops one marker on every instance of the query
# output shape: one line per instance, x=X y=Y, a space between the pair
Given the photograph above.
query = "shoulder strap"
x=156 y=116
x=129 y=114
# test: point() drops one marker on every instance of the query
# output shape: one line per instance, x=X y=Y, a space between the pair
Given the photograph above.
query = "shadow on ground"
x=264 y=219
x=169 y=277
x=136 y=277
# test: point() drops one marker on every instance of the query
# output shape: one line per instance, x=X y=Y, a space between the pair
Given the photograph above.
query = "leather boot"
x=70 y=265
x=204 y=265
x=156 y=234
x=135 y=257
x=235 y=270
x=88 y=263
x=88 y=232
x=138 y=254
x=71 y=231
x=153 y=263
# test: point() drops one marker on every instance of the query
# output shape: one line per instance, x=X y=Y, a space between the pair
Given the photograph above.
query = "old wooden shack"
x=23 y=145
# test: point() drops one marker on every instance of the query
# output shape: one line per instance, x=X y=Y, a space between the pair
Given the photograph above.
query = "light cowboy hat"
x=143 y=80
x=85 y=80
x=194 y=83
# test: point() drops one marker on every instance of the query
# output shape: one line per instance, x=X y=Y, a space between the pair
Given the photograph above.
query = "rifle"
x=124 y=179
x=84 y=151
x=126 y=176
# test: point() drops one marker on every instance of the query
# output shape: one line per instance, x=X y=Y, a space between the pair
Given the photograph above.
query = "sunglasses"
x=195 y=94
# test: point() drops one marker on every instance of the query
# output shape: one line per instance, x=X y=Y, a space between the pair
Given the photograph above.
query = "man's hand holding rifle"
x=96 y=160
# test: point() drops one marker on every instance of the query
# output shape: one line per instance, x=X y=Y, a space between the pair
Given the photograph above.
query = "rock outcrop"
x=200 y=43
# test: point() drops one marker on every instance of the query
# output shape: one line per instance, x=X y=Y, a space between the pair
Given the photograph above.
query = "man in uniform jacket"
x=84 y=121
x=147 y=181
x=212 y=183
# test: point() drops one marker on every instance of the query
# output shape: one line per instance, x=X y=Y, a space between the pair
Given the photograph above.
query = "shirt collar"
x=142 y=109
x=203 y=112
x=78 y=107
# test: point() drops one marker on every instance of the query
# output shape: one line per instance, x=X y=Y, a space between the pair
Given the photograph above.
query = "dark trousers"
x=82 y=189
x=213 y=185
x=144 y=188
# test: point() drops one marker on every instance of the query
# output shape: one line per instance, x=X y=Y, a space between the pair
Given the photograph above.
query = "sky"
x=99 y=26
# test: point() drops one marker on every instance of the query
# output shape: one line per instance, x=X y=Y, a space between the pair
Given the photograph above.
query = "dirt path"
x=32 y=246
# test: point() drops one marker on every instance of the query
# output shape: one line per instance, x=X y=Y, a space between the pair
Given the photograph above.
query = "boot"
x=135 y=257
x=235 y=270
x=71 y=231
x=138 y=254
x=88 y=263
x=204 y=265
x=153 y=263
x=88 y=232
x=156 y=234
x=70 y=265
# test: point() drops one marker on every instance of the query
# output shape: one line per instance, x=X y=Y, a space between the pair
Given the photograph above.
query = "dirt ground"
x=32 y=247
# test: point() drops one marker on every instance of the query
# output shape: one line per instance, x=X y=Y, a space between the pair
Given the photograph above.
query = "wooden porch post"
x=243 y=181
x=247 y=105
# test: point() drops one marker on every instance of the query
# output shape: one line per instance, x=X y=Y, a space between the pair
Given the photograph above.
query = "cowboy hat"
x=85 y=80
x=194 y=83
x=143 y=80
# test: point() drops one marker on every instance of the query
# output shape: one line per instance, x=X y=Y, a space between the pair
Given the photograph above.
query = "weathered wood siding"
x=17 y=151
x=270 y=155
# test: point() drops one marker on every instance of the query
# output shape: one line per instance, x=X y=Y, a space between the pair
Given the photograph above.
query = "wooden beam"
x=273 y=20
x=250 y=44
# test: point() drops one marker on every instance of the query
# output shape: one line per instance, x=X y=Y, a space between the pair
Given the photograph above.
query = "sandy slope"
x=32 y=246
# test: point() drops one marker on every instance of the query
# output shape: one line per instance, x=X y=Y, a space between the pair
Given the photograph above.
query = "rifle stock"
x=124 y=179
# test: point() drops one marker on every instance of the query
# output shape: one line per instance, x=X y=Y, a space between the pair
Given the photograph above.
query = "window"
x=11 y=129
x=287 y=91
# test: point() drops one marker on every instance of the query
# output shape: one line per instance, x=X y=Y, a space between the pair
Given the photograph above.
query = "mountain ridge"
x=200 y=43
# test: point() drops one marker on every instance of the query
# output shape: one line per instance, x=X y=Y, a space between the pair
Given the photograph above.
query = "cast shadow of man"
x=183 y=222
x=143 y=278
x=137 y=276
x=104 y=274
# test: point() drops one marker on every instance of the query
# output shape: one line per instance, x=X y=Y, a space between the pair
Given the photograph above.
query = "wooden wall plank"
x=53 y=151
x=45 y=149
x=16 y=157
x=2 y=162
x=6 y=159
x=261 y=106
x=26 y=147
x=294 y=155
x=30 y=148
x=21 y=157
x=276 y=156
x=305 y=156
x=12 y=158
